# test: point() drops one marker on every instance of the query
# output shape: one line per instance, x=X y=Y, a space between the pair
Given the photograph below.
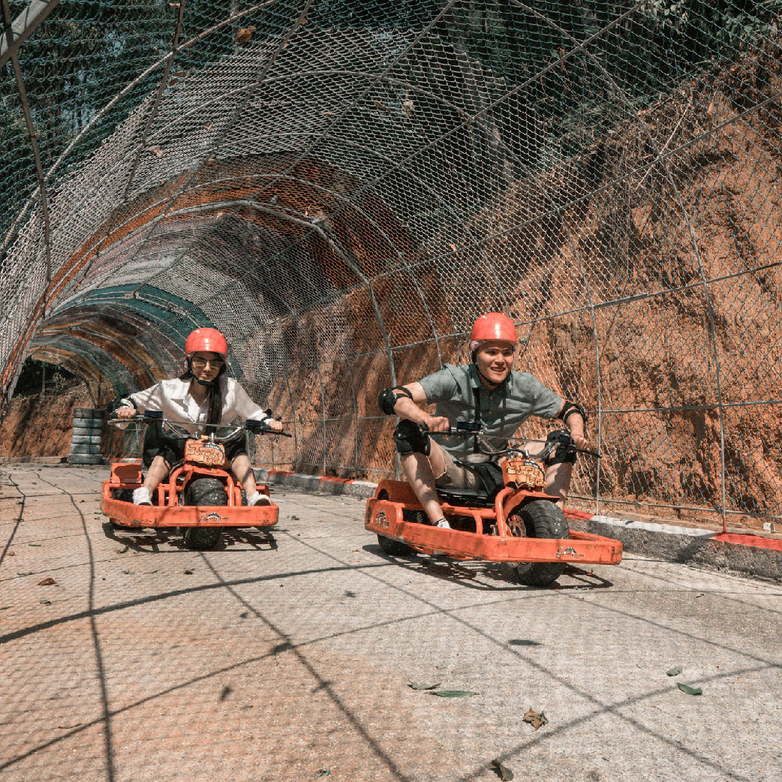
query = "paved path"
x=290 y=657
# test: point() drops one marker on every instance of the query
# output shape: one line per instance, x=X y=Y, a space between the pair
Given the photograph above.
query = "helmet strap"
x=485 y=379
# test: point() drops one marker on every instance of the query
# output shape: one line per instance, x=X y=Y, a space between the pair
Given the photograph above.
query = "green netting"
x=342 y=187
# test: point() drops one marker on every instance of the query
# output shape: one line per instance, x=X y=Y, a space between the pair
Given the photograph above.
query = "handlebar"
x=250 y=425
x=471 y=429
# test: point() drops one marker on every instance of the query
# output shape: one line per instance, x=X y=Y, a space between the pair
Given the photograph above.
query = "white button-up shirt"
x=173 y=398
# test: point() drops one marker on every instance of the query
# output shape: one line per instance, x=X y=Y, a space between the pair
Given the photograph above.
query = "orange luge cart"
x=519 y=524
x=199 y=497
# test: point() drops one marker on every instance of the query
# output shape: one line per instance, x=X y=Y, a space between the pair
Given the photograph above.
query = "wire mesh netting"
x=342 y=187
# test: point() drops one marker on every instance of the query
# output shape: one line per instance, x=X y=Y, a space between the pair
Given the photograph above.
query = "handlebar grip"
x=131 y=420
x=260 y=427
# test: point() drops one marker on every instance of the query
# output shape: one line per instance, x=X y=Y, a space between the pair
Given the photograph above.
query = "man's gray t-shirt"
x=503 y=410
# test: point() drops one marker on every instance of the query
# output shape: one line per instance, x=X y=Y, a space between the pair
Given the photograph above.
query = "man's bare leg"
x=420 y=471
x=558 y=481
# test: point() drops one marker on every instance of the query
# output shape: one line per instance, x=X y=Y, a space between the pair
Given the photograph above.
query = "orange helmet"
x=206 y=341
x=493 y=326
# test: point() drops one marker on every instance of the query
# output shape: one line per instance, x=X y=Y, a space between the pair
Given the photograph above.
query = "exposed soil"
x=41 y=425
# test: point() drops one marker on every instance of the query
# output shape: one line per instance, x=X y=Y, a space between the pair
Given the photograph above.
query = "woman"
x=204 y=394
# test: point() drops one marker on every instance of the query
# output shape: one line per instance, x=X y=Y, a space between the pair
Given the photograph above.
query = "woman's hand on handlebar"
x=274 y=425
x=437 y=423
x=125 y=413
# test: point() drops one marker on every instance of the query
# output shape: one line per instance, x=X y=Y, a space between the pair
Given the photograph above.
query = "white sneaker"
x=259 y=498
x=142 y=496
x=443 y=524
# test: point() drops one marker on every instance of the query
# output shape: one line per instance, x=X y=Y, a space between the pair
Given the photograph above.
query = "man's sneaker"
x=142 y=496
x=259 y=498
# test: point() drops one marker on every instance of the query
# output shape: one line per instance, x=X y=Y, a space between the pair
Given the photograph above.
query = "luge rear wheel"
x=394 y=548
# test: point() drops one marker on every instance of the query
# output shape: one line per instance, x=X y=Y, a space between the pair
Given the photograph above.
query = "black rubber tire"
x=204 y=491
x=393 y=547
x=80 y=458
x=86 y=439
x=125 y=495
x=86 y=449
x=86 y=431
x=81 y=415
x=542 y=519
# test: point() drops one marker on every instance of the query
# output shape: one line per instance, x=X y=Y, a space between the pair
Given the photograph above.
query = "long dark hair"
x=214 y=395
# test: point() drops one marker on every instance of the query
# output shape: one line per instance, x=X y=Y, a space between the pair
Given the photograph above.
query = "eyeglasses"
x=200 y=363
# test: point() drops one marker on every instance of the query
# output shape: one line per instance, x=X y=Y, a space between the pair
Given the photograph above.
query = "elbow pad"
x=572 y=407
x=389 y=397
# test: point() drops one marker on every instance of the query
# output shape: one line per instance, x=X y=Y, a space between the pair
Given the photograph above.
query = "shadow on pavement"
x=164 y=539
x=466 y=573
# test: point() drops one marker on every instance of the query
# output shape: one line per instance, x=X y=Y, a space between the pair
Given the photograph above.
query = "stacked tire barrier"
x=87 y=434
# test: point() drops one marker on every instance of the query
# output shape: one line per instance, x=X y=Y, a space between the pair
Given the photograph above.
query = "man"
x=486 y=392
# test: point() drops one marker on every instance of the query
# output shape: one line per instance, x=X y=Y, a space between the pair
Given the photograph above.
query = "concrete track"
x=289 y=656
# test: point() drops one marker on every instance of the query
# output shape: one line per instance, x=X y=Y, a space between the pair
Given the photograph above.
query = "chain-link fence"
x=342 y=186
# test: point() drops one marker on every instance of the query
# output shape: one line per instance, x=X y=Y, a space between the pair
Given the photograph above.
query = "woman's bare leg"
x=243 y=471
x=157 y=471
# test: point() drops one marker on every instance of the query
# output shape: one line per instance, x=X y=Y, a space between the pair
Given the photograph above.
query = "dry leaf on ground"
x=535 y=719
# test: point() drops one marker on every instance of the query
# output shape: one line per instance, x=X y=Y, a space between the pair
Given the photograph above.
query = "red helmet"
x=493 y=326
x=206 y=341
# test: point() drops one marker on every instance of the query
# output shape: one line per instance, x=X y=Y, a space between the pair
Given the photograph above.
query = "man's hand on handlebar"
x=437 y=423
x=125 y=413
x=581 y=442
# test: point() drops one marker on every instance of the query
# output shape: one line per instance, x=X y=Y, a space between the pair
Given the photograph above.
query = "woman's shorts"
x=172 y=449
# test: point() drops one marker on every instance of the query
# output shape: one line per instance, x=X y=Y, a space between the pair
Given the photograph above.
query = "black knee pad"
x=565 y=452
x=412 y=438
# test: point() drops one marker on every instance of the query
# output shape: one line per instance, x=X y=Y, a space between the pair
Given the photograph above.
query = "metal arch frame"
x=232 y=118
x=12 y=51
x=99 y=115
x=404 y=265
x=90 y=337
x=141 y=358
x=25 y=24
x=339 y=250
x=225 y=132
x=663 y=160
x=168 y=60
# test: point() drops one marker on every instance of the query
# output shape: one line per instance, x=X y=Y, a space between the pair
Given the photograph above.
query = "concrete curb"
x=315 y=483
x=750 y=555
x=33 y=459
